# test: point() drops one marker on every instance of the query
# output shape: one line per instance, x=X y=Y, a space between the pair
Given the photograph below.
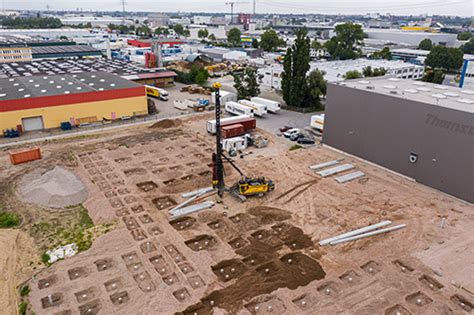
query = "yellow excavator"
x=246 y=186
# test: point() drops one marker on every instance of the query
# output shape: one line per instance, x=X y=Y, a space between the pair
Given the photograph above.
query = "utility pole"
x=254 y=7
x=123 y=12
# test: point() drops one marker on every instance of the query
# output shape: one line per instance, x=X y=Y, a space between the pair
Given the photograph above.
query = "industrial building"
x=42 y=102
x=335 y=70
x=412 y=38
x=421 y=130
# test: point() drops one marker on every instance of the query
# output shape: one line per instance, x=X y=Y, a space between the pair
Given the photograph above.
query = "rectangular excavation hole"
x=238 y=243
x=135 y=171
x=116 y=203
x=196 y=282
x=130 y=199
x=135 y=267
x=86 y=295
x=305 y=301
x=122 y=212
x=92 y=307
x=201 y=242
x=227 y=270
x=147 y=186
x=164 y=202
x=403 y=266
x=123 y=160
x=110 y=194
x=397 y=310
x=187 y=177
x=171 y=279
x=463 y=302
x=371 y=267
x=114 y=284
x=119 y=298
x=183 y=223
x=138 y=235
x=418 y=298
x=256 y=259
x=104 y=264
x=148 y=247
x=350 y=277
x=329 y=289
x=142 y=276
x=145 y=219
x=158 y=170
x=205 y=173
x=155 y=230
x=169 y=182
x=137 y=209
x=431 y=282
x=123 y=191
x=185 y=268
x=78 y=272
x=64 y=312
x=181 y=295
x=52 y=300
x=131 y=223
x=47 y=282
x=111 y=176
x=130 y=257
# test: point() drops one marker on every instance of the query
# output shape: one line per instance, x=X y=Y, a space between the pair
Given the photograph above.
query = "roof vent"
x=78 y=88
x=58 y=86
x=37 y=85
x=43 y=91
x=419 y=83
x=363 y=82
x=469 y=92
x=412 y=91
x=370 y=87
x=423 y=89
x=112 y=84
x=465 y=101
x=439 y=96
x=451 y=94
x=393 y=92
x=440 y=87
x=3 y=95
x=27 y=95
x=91 y=84
x=394 y=79
x=389 y=87
x=66 y=92
x=51 y=82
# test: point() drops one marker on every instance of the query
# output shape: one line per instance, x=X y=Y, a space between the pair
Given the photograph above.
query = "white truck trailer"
x=272 y=106
x=238 y=109
x=258 y=109
x=317 y=122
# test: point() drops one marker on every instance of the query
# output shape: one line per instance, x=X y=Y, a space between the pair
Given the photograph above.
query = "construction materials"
x=199 y=192
x=355 y=232
x=246 y=121
x=272 y=106
x=324 y=165
x=25 y=156
x=232 y=131
x=191 y=209
x=349 y=177
x=335 y=170
x=354 y=238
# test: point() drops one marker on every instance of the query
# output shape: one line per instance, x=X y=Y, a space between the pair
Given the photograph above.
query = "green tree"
x=30 y=22
x=433 y=76
x=143 y=30
x=255 y=43
x=382 y=54
x=347 y=41
x=316 y=45
x=233 y=37
x=161 y=31
x=178 y=29
x=425 y=44
x=441 y=57
x=269 y=41
x=468 y=47
x=198 y=75
x=203 y=33
x=246 y=83
x=367 y=71
x=8 y=220
x=317 y=87
x=212 y=37
x=353 y=74
x=186 y=33
x=465 y=36
x=295 y=68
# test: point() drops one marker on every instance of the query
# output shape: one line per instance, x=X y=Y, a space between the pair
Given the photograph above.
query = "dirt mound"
x=167 y=123
x=269 y=215
x=56 y=188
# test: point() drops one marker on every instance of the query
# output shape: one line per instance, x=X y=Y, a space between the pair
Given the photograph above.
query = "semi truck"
x=153 y=91
x=238 y=109
x=247 y=122
x=272 y=106
x=258 y=109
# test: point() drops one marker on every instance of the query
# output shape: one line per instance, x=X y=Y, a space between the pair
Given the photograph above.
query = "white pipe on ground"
x=355 y=232
x=353 y=238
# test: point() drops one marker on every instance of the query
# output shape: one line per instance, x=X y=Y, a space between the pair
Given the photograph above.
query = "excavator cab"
x=255 y=186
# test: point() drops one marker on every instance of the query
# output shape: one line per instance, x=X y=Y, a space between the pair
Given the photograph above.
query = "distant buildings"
x=412 y=38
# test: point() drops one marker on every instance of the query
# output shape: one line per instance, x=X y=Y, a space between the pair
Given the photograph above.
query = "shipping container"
x=247 y=121
x=272 y=106
x=232 y=131
x=25 y=156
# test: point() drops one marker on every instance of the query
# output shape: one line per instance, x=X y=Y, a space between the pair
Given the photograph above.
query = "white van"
x=258 y=109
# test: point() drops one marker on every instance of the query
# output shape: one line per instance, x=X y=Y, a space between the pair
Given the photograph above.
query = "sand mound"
x=57 y=188
x=167 y=123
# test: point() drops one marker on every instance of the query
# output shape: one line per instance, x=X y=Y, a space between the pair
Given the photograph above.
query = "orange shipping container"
x=25 y=156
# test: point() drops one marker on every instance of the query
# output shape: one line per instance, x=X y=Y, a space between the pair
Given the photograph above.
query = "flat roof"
x=47 y=50
x=429 y=93
x=70 y=66
x=53 y=85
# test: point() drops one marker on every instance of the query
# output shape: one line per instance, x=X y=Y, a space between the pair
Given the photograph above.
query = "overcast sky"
x=443 y=7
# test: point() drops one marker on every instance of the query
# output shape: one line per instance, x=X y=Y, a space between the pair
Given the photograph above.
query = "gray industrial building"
x=421 y=130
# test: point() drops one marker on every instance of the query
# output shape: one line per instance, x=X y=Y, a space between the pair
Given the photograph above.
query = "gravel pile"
x=56 y=188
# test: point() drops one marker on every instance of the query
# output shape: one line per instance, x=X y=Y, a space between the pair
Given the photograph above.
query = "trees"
x=203 y=33
x=468 y=47
x=316 y=45
x=376 y=72
x=162 y=31
x=347 y=41
x=433 y=76
x=255 y=43
x=444 y=58
x=198 y=75
x=295 y=67
x=425 y=44
x=30 y=22
x=382 y=54
x=233 y=36
x=143 y=30
x=269 y=41
x=353 y=74
x=246 y=83
x=465 y=36
x=180 y=30
x=317 y=87
x=212 y=37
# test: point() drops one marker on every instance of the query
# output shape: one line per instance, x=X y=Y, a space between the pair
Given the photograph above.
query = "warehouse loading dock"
x=43 y=102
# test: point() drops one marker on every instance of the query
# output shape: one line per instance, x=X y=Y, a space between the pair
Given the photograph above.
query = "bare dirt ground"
x=257 y=257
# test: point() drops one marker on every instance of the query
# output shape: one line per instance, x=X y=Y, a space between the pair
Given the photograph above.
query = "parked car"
x=305 y=140
x=296 y=136
x=290 y=132
x=285 y=128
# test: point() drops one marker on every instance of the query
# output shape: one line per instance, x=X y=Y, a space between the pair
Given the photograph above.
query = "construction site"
x=161 y=240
